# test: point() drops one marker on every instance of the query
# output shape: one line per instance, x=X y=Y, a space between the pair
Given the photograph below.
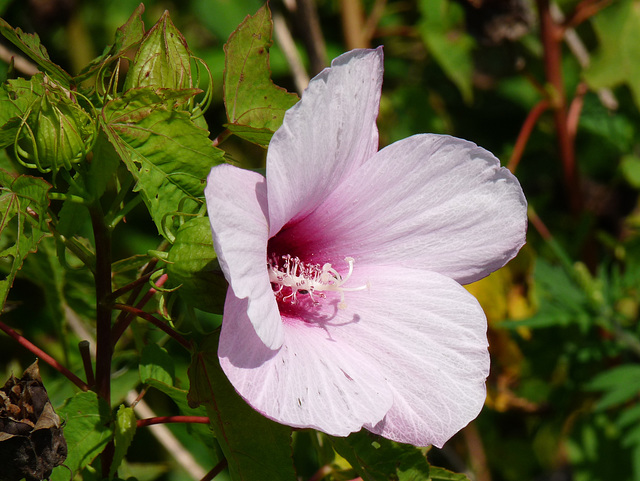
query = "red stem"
x=525 y=132
x=551 y=35
x=171 y=419
x=123 y=321
x=585 y=10
x=217 y=469
x=132 y=285
x=24 y=342
x=85 y=354
x=155 y=321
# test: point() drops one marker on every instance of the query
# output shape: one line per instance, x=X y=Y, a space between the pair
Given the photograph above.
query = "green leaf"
x=255 y=105
x=163 y=59
x=617 y=60
x=256 y=448
x=156 y=363
x=619 y=384
x=31 y=46
x=441 y=474
x=378 y=459
x=167 y=154
x=23 y=221
x=193 y=265
x=87 y=431
x=124 y=433
x=17 y=98
x=442 y=29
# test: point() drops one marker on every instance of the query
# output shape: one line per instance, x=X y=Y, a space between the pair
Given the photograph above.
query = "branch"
x=171 y=419
x=24 y=342
x=551 y=34
x=218 y=468
x=525 y=132
x=156 y=322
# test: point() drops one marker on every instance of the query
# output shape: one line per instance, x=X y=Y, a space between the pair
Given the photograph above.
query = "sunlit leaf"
x=87 y=431
x=167 y=154
x=255 y=105
x=617 y=61
x=125 y=430
x=255 y=447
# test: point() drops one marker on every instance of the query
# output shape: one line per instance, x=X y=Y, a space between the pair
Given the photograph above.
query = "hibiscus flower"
x=345 y=307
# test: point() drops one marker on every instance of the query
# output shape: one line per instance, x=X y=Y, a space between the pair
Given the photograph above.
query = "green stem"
x=124 y=211
x=73 y=198
x=80 y=251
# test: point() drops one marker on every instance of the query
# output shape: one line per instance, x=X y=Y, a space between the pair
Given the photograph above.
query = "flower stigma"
x=308 y=279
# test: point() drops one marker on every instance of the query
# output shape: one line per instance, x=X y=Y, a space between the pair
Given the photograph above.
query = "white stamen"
x=309 y=279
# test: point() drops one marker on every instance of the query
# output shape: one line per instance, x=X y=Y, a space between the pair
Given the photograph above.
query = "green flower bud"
x=54 y=132
x=163 y=61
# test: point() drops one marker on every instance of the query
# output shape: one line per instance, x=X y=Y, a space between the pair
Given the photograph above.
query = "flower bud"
x=163 y=61
x=55 y=132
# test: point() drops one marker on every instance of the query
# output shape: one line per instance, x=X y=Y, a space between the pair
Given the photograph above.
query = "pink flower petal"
x=240 y=232
x=325 y=136
x=313 y=380
x=429 y=336
x=429 y=202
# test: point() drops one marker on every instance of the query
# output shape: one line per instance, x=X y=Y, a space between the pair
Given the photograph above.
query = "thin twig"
x=85 y=354
x=124 y=319
x=24 y=342
x=285 y=40
x=525 y=132
x=166 y=438
x=352 y=15
x=217 y=469
x=309 y=28
x=585 y=10
x=221 y=137
x=120 y=327
x=580 y=52
x=132 y=285
x=156 y=322
x=172 y=419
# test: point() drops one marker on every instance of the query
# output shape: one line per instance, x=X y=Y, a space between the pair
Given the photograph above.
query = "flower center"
x=296 y=277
